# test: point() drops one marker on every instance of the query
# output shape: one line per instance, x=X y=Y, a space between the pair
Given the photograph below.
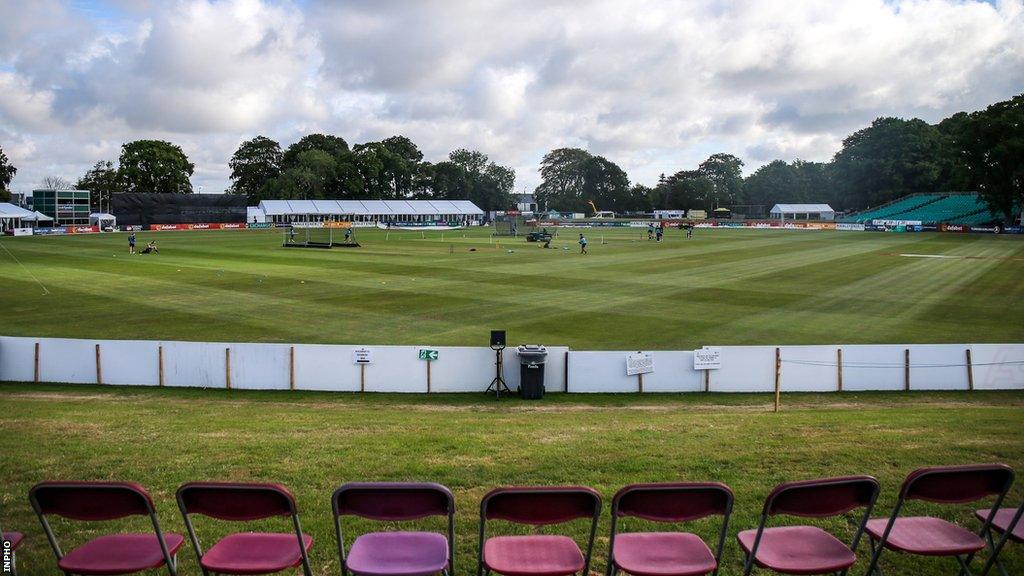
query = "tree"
x=333 y=145
x=253 y=165
x=991 y=144
x=778 y=182
x=55 y=183
x=154 y=166
x=101 y=181
x=7 y=172
x=725 y=172
x=571 y=178
x=889 y=159
x=685 y=189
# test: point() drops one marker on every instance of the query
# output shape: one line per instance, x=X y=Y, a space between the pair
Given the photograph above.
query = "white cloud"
x=654 y=85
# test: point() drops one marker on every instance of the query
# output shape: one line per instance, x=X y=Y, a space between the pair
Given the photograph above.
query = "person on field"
x=583 y=244
x=150 y=248
x=348 y=235
x=650 y=231
x=689 y=231
x=131 y=243
x=291 y=234
x=660 y=231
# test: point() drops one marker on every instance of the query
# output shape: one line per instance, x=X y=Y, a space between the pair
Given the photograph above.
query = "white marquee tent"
x=803 y=212
x=11 y=216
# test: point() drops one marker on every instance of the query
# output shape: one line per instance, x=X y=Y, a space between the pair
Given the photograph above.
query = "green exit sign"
x=428 y=355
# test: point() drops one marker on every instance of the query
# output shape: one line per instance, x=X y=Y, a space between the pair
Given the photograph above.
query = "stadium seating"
x=112 y=553
x=540 y=554
x=950 y=208
x=245 y=552
x=930 y=536
x=1007 y=523
x=667 y=553
x=891 y=209
x=395 y=553
x=808 y=549
x=15 y=538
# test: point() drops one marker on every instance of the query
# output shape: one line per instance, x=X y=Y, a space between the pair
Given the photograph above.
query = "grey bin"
x=531 y=370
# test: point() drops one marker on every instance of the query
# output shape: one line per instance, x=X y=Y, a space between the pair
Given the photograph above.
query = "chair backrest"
x=540 y=505
x=91 y=500
x=392 y=501
x=675 y=502
x=236 y=501
x=957 y=484
x=823 y=497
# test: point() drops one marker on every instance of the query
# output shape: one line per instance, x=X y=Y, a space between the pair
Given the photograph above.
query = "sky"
x=653 y=85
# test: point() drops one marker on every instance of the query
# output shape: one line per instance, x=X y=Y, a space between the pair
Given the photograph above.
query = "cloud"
x=655 y=85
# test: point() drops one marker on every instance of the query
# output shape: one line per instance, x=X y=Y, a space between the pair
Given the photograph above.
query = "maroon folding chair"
x=929 y=536
x=397 y=553
x=1006 y=521
x=110 y=554
x=245 y=552
x=11 y=541
x=667 y=553
x=808 y=549
x=538 y=554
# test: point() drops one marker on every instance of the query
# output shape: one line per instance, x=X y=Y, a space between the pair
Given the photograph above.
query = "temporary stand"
x=498 y=385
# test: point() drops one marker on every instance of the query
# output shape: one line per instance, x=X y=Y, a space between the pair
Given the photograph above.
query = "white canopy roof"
x=8 y=210
x=102 y=216
x=801 y=208
x=370 y=207
x=37 y=217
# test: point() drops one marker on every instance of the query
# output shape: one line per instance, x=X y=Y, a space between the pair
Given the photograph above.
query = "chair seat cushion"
x=14 y=538
x=926 y=536
x=1002 y=521
x=119 y=554
x=539 y=555
x=398 y=554
x=663 y=554
x=255 y=553
x=798 y=550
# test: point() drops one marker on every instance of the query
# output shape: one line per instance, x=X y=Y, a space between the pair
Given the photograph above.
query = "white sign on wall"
x=707 y=358
x=362 y=356
x=639 y=363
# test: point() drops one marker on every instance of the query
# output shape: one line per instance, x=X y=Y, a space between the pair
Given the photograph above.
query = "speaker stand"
x=498 y=385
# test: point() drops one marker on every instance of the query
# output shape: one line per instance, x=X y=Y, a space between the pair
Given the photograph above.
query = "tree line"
x=981 y=151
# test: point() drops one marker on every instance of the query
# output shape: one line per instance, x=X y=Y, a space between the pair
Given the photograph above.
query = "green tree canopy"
x=154 y=166
x=7 y=172
x=253 y=165
x=101 y=180
x=571 y=178
x=333 y=145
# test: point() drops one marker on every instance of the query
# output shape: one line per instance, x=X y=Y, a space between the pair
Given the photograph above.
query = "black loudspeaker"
x=497 y=338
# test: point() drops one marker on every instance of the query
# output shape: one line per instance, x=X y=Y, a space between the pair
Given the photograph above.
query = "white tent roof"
x=370 y=207
x=8 y=210
x=102 y=216
x=801 y=208
x=37 y=217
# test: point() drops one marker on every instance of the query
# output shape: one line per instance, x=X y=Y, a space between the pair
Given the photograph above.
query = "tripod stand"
x=498 y=384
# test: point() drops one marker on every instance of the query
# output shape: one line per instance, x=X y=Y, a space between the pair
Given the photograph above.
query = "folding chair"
x=809 y=549
x=929 y=536
x=538 y=554
x=109 y=554
x=404 y=553
x=245 y=552
x=1006 y=522
x=667 y=553
x=12 y=539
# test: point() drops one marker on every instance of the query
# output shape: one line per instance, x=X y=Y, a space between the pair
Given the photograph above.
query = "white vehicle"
x=604 y=214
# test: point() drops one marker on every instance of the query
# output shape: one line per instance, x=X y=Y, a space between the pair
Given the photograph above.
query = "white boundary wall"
x=468 y=369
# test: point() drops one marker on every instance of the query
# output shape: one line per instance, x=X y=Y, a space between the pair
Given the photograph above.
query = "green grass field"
x=313 y=442
x=722 y=287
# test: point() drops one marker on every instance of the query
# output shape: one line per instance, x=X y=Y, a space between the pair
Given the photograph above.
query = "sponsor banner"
x=915 y=228
x=52 y=230
x=234 y=226
x=260 y=225
x=337 y=224
x=896 y=222
x=199 y=226
x=133 y=228
x=929 y=228
x=954 y=228
x=19 y=232
x=874 y=228
x=168 y=226
x=82 y=229
x=1014 y=230
x=850 y=226
x=988 y=229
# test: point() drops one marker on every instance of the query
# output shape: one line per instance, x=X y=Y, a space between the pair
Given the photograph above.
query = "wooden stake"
x=906 y=369
x=36 y=377
x=428 y=375
x=839 y=369
x=291 y=368
x=778 y=377
x=707 y=380
x=362 y=377
x=970 y=371
x=99 y=366
x=227 y=367
x=640 y=383
x=160 y=362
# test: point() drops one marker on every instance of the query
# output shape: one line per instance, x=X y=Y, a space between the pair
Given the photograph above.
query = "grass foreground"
x=313 y=442
x=723 y=287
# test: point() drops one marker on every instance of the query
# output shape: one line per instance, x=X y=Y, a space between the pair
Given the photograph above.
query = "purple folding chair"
x=109 y=554
x=245 y=552
x=538 y=554
x=667 y=553
x=808 y=549
x=929 y=536
x=403 y=553
x=11 y=541
x=1006 y=521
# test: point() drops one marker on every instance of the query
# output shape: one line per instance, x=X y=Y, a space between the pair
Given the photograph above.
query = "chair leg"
x=876 y=554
